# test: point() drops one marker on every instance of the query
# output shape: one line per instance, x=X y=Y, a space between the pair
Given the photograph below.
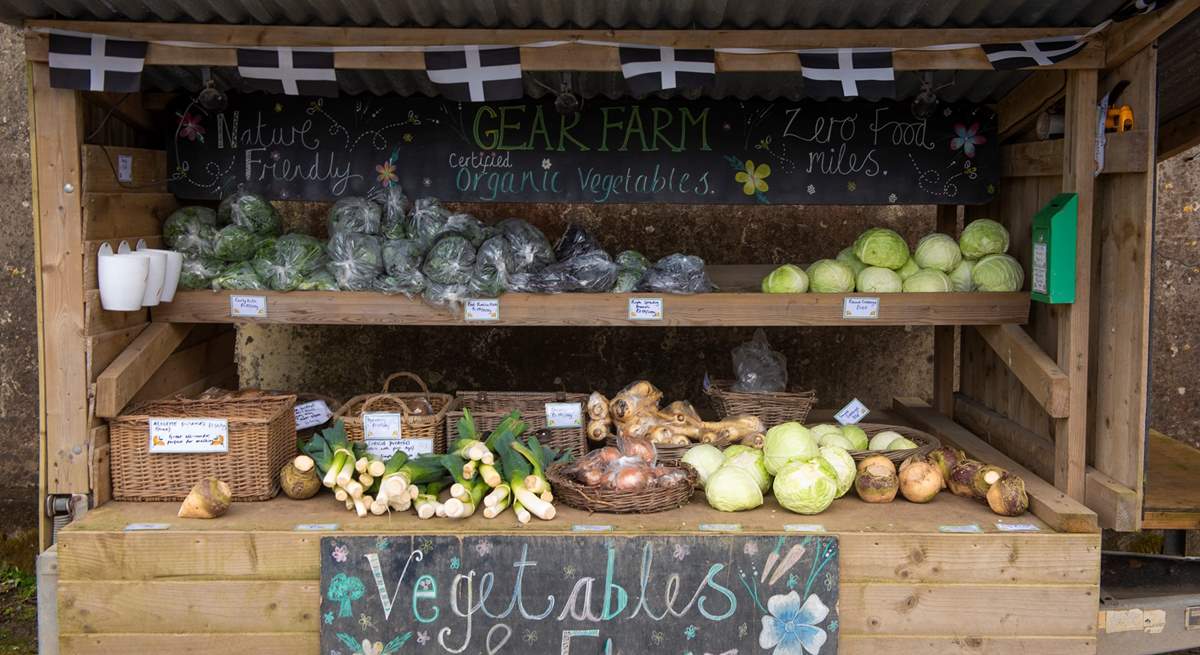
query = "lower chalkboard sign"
x=603 y=593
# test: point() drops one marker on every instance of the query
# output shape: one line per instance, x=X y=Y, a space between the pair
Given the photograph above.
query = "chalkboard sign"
x=565 y=594
x=679 y=151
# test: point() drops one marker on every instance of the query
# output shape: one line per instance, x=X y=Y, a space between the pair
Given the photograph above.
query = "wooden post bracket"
x=1035 y=369
x=118 y=384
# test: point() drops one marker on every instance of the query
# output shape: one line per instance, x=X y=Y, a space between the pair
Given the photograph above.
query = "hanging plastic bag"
x=676 y=274
x=759 y=369
x=354 y=259
x=354 y=214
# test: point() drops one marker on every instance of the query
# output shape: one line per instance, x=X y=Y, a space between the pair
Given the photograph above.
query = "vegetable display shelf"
x=739 y=303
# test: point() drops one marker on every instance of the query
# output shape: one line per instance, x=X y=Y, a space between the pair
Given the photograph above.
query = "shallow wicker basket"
x=262 y=437
x=488 y=408
x=611 y=501
x=669 y=455
x=926 y=442
x=773 y=407
x=414 y=423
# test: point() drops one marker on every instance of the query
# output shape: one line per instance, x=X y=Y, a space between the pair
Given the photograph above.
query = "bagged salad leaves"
x=235 y=243
x=401 y=268
x=354 y=214
x=444 y=294
x=191 y=230
x=592 y=272
x=321 y=280
x=531 y=249
x=631 y=266
x=251 y=211
x=238 y=276
x=677 y=274
x=576 y=240
x=493 y=263
x=199 y=270
x=395 y=205
x=354 y=259
x=290 y=259
x=427 y=221
x=450 y=260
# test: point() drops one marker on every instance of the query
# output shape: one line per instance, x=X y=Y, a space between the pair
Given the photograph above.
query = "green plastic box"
x=1052 y=263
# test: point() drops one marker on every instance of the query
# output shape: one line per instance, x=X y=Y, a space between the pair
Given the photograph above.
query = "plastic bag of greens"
x=251 y=211
x=758 y=368
x=591 y=272
x=676 y=274
x=444 y=294
x=354 y=214
x=470 y=227
x=321 y=280
x=191 y=230
x=354 y=259
x=291 y=258
x=401 y=267
x=631 y=266
x=427 y=221
x=238 y=275
x=266 y=248
x=408 y=285
x=575 y=241
x=492 y=265
x=531 y=250
x=235 y=243
x=450 y=260
x=395 y=213
x=199 y=270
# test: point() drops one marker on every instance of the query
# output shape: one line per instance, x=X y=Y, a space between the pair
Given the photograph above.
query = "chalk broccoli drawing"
x=345 y=589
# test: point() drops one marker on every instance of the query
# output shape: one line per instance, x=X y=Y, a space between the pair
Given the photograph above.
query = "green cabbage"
x=788 y=278
x=856 y=436
x=191 y=230
x=806 y=487
x=235 y=243
x=251 y=211
x=875 y=279
x=960 y=277
x=732 y=489
x=830 y=276
x=903 y=443
x=839 y=440
x=750 y=460
x=843 y=466
x=820 y=431
x=937 y=251
x=928 y=280
x=786 y=442
x=998 y=273
x=983 y=237
x=706 y=459
x=909 y=269
x=846 y=256
x=880 y=246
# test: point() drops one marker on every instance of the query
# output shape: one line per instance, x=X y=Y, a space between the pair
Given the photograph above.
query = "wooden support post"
x=945 y=337
x=135 y=365
x=1034 y=368
x=1079 y=165
x=56 y=132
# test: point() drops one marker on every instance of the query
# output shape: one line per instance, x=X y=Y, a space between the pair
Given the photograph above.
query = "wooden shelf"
x=1172 y=498
x=737 y=304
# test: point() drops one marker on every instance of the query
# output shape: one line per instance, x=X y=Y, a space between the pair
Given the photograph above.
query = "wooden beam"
x=1058 y=510
x=945 y=337
x=1070 y=463
x=121 y=381
x=1030 y=449
x=1117 y=506
x=1033 y=367
x=1018 y=110
x=1124 y=40
x=1124 y=152
x=574 y=56
x=1179 y=134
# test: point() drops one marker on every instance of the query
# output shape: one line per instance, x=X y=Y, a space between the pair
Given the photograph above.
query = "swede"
x=876 y=481
x=209 y=499
x=920 y=480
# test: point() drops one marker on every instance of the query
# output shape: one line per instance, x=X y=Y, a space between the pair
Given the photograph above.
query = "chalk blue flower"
x=690 y=632
x=790 y=628
x=455 y=563
x=328 y=618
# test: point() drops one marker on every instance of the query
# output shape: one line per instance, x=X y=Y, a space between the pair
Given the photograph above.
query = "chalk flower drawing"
x=811 y=189
x=328 y=618
x=791 y=628
x=365 y=621
x=386 y=173
x=851 y=185
x=966 y=138
x=792 y=581
x=891 y=197
x=407 y=137
x=483 y=548
x=531 y=637
x=455 y=563
x=690 y=632
x=422 y=637
x=547 y=164
x=190 y=128
x=369 y=648
x=426 y=544
x=657 y=637
x=681 y=551
x=751 y=548
x=340 y=553
x=754 y=178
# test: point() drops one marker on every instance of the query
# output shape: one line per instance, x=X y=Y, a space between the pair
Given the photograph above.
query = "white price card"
x=591 y=528
x=189 y=435
x=721 y=527
x=564 y=415
x=385 y=448
x=248 y=306
x=852 y=413
x=143 y=527
x=645 y=309
x=855 y=307
x=311 y=414
x=381 y=425
x=1040 y=262
x=1016 y=527
x=484 y=309
x=968 y=528
x=316 y=527
x=124 y=168
x=803 y=527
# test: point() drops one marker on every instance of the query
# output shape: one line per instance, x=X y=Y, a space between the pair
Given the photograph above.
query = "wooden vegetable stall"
x=1054 y=393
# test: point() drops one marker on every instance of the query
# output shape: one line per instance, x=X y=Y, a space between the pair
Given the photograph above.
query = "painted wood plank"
x=185 y=368
x=102 y=349
x=854 y=644
x=97 y=320
x=945 y=338
x=1019 y=110
x=1035 y=369
x=1179 y=134
x=123 y=215
x=136 y=365
x=1030 y=449
x=147 y=169
x=91 y=255
x=1172 y=496
x=1124 y=152
x=1049 y=504
x=1127 y=39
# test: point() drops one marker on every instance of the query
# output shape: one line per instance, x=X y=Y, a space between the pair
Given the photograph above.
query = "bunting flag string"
x=651 y=69
x=476 y=73
x=1030 y=54
x=94 y=62
x=291 y=71
x=849 y=72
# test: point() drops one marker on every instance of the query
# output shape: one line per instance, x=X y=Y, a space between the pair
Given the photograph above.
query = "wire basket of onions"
x=624 y=479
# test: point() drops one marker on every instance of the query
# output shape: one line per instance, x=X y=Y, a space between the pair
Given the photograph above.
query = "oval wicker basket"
x=926 y=442
x=669 y=455
x=490 y=407
x=416 y=424
x=773 y=407
x=611 y=501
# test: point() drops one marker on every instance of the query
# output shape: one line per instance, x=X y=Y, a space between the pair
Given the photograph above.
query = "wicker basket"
x=773 y=407
x=926 y=442
x=262 y=437
x=488 y=408
x=669 y=455
x=302 y=436
x=611 y=501
x=415 y=423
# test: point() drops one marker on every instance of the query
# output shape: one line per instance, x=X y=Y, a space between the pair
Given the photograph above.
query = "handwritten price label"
x=860 y=308
x=248 y=306
x=852 y=413
x=486 y=309
x=311 y=414
x=646 y=309
x=189 y=435
x=564 y=415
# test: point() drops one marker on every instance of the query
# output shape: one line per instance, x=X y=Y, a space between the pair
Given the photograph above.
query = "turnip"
x=298 y=478
x=946 y=458
x=920 y=480
x=1007 y=496
x=209 y=499
x=876 y=481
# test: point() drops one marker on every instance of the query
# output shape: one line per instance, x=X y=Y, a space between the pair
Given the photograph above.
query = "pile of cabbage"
x=880 y=261
x=387 y=244
x=804 y=472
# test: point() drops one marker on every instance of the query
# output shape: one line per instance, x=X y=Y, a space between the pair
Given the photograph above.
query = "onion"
x=920 y=480
x=631 y=478
x=639 y=448
x=876 y=481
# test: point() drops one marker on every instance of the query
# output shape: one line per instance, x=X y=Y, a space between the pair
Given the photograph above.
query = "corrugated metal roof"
x=616 y=14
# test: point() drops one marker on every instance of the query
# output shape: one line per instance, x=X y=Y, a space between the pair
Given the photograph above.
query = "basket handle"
x=405 y=374
x=561 y=395
x=367 y=404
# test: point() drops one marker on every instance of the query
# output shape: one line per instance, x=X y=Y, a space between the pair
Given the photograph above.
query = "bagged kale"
x=251 y=211
x=354 y=259
x=354 y=214
x=631 y=266
x=676 y=274
x=191 y=230
x=591 y=272
x=575 y=241
x=444 y=294
x=238 y=276
x=470 y=227
x=427 y=221
x=235 y=243
x=407 y=285
x=401 y=267
x=450 y=260
x=321 y=280
x=492 y=265
x=266 y=248
x=395 y=213
x=531 y=249
x=292 y=257
x=199 y=270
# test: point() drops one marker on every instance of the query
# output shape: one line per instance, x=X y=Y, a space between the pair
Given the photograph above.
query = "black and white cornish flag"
x=1030 y=54
x=848 y=72
x=654 y=69
x=290 y=71
x=475 y=73
x=1139 y=7
x=96 y=63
